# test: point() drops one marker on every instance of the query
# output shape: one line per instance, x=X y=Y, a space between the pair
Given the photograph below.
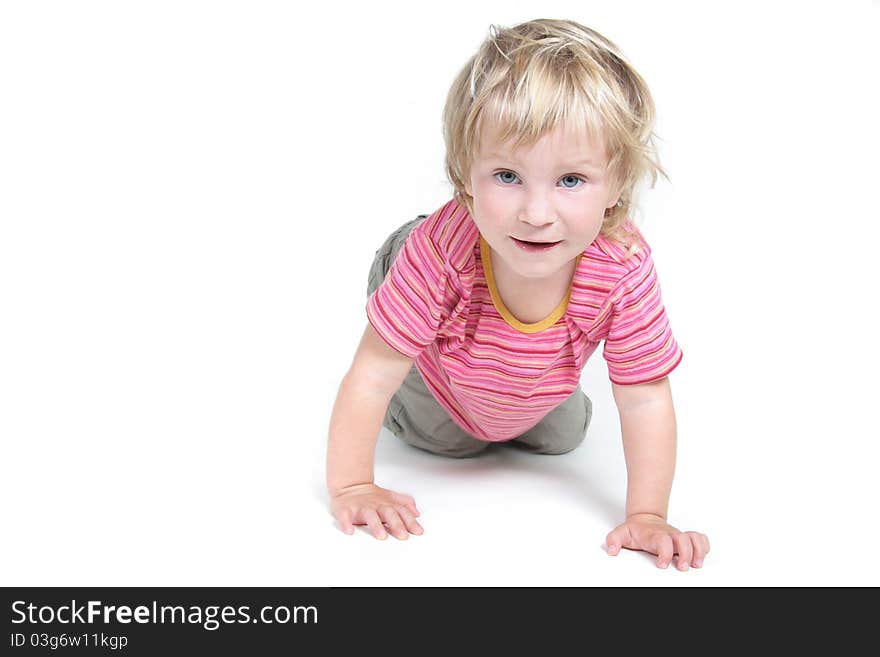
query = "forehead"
x=565 y=140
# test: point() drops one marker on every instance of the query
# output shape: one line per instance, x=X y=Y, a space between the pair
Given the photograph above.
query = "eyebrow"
x=578 y=163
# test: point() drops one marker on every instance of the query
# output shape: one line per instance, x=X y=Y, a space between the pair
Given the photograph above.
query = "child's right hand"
x=371 y=505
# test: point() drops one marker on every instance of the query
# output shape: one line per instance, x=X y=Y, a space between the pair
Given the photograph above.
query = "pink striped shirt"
x=495 y=376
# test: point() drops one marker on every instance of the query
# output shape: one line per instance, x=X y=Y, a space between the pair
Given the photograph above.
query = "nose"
x=537 y=210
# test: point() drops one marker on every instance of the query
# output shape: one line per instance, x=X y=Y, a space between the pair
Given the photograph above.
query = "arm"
x=648 y=428
x=647 y=425
x=375 y=374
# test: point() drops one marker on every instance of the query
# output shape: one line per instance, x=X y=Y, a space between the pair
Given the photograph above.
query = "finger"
x=403 y=498
x=410 y=521
x=391 y=517
x=663 y=546
x=684 y=547
x=701 y=548
x=616 y=539
x=346 y=520
x=375 y=524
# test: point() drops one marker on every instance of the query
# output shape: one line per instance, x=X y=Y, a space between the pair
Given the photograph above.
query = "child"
x=483 y=314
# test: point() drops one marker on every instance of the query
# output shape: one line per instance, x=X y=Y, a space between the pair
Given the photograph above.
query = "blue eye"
x=509 y=174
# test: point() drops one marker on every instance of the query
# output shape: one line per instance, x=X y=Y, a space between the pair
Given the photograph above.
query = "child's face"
x=553 y=192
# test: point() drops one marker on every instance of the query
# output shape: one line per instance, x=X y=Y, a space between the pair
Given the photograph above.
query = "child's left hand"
x=651 y=533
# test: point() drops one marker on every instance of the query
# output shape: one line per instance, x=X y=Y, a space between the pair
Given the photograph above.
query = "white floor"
x=232 y=500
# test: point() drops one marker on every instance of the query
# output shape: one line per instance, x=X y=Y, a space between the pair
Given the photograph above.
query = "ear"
x=616 y=192
x=613 y=201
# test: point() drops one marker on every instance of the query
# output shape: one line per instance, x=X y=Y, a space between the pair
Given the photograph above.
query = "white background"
x=190 y=198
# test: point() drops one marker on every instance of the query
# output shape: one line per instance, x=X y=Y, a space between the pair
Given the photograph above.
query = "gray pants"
x=417 y=418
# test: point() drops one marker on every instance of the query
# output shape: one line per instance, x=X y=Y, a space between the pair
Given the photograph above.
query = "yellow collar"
x=550 y=320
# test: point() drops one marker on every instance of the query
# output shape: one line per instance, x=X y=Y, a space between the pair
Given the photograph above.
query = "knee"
x=463 y=451
x=455 y=450
x=557 y=444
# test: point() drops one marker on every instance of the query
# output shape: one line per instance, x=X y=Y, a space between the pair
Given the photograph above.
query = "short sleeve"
x=639 y=346
x=410 y=305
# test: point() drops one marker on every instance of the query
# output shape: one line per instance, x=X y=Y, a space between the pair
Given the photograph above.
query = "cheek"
x=493 y=206
x=584 y=219
x=588 y=226
x=592 y=232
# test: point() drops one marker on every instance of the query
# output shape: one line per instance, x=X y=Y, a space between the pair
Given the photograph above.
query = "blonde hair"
x=535 y=76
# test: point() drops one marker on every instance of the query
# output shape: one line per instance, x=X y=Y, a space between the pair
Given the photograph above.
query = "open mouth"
x=534 y=246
